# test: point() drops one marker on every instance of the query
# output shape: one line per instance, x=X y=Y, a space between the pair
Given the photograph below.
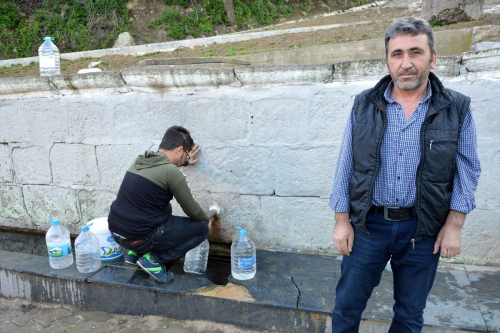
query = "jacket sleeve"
x=184 y=196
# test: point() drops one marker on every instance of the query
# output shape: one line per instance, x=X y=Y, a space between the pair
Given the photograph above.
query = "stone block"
x=124 y=39
x=222 y=119
x=98 y=83
x=45 y=121
x=12 y=212
x=56 y=202
x=280 y=120
x=74 y=164
x=145 y=120
x=94 y=204
x=482 y=61
x=160 y=79
x=114 y=161
x=32 y=165
x=447 y=67
x=328 y=114
x=6 y=171
x=89 y=121
x=236 y=211
x=304 y=171
x=302 y=223
x=360 y=70
x=486 y=33
x=26 y=87
x=11 y=128
x=242 y=170
x=284 y=74
x=451 y=11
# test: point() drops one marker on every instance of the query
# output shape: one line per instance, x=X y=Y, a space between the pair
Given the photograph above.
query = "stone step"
x=292 y=292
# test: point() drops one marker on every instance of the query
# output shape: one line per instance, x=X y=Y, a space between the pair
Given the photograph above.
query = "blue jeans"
x=413 y=266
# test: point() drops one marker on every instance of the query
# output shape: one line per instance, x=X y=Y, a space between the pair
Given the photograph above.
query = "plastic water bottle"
x=88 y=251
x=243 y=257
x=50 y=63
x=196 y=259
x=58 y=245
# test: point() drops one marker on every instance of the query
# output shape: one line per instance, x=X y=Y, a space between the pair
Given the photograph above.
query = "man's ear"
x=434 y=60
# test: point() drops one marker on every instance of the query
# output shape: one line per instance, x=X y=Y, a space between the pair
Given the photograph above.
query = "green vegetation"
x=93 y=24
x=203 y=15
x=75 y=25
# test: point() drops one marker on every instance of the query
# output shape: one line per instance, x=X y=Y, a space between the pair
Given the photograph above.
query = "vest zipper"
x=430 y=144
x=413 y=242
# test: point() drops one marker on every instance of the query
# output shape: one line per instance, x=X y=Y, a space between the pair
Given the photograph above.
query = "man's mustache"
x=409 y=71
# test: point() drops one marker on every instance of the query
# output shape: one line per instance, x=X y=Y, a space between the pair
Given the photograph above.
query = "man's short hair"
x=177 y=136
x=409 y=25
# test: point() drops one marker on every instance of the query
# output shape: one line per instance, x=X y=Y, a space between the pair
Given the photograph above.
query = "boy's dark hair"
x=177 y=136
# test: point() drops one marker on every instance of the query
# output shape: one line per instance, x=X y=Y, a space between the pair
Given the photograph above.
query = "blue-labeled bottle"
x=58 y=245
x=243 y=257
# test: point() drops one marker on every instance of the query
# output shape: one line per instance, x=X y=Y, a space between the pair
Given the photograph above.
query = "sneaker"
x=131 y=258
x=156 y=270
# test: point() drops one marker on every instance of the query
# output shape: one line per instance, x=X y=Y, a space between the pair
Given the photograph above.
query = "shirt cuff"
x=340 y=204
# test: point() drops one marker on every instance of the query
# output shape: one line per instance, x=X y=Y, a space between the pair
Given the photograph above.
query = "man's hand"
x=192 y=154
x=448 y=237
x=343 y=234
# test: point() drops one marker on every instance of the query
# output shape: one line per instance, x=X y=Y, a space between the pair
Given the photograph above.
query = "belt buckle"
x=386 y=213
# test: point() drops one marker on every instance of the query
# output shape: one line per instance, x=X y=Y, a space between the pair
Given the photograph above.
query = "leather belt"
x=393 y=213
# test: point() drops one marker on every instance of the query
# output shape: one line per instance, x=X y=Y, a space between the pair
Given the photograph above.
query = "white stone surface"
x=269 y=149
x=74 y=164
x=124 y=39
x=6 y=171
x=435 y=8
x=32 y=165
x=12 y=212
x=57 y=202
x=94 y=204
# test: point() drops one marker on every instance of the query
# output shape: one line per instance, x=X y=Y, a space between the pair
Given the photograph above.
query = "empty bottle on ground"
x=49 y=59
x=88 y=251
x=243 y=257
x=196 y=259
x=58 y=245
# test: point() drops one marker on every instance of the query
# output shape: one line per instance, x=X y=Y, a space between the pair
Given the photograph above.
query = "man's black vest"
x=436 y=171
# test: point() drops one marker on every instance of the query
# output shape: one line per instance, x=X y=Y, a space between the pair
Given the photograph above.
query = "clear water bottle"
x=243 y=257
x=196 y=259
x=87 y=251
x=58 y=245
x=50 y=63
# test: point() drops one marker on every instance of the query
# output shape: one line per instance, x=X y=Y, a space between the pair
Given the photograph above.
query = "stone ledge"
x=292 y=292
x=284 y=74
x=481 y=61
x=26 y=87
x=101 y=83
x=158 y=78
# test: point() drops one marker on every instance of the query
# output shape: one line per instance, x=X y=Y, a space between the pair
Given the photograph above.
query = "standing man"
x=141 y=219
x=406 y=176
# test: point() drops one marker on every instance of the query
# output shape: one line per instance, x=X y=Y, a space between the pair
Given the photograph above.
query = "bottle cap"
x=53 y=222
x=48 y=38
x=241 y=231
x=85 y=228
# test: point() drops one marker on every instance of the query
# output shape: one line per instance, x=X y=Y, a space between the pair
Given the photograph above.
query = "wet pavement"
x=20 y=315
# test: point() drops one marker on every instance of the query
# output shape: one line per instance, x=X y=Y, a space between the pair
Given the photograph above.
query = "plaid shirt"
x=400 y=152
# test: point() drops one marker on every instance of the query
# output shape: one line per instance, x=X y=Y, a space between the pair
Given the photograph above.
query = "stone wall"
x=269 y=136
